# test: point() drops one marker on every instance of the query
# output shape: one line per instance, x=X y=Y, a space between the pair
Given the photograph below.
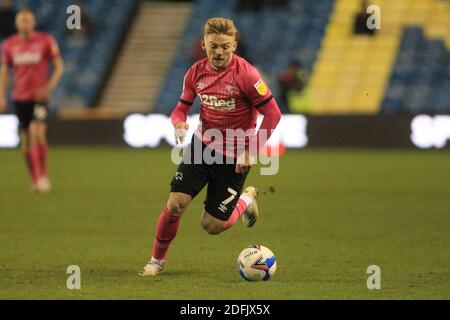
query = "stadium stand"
x=87 y=62
x=404 y=68
x=145 y=57
x=277 y=36
x=421 y=77
x=354 y=73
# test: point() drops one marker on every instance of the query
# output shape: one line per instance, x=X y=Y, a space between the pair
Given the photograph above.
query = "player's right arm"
x=4 y=77
x=6 y=62
x=178 y=117
x=179 y=114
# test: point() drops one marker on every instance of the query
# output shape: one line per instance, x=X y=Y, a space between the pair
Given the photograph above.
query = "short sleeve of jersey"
x=6 y=54
x=52 y=48
x=254 y=86
x=188 y=95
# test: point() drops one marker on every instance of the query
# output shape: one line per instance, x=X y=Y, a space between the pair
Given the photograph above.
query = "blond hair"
x=220 y=26
x=25 y=11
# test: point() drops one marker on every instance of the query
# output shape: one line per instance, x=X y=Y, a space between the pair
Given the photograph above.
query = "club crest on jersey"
x=215 y=103
x=232 y=90
x=261 y=87
x=179 y=176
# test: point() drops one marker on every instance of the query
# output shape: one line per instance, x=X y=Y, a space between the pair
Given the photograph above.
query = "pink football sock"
x=241 y=206
x=166 y=230
x=34 y=159
x=30 y=167
x=43 y=155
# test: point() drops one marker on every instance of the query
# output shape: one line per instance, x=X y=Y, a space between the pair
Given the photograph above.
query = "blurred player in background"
x=232 y=94
x=28 y=54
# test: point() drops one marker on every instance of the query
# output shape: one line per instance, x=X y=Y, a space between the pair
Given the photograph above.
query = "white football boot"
x=43 y=185
x=252 y=213
x=153 y=268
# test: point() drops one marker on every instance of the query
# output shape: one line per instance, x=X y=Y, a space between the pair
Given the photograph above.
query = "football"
x=256 y=263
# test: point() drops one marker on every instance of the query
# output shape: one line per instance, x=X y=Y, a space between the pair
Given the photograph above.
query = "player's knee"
x=42 y=139
x=33 y=138
x=176 y=206
x=211 y=228
x=24 y=147
x=178 y=203
x=24 y=143
x=42 y=134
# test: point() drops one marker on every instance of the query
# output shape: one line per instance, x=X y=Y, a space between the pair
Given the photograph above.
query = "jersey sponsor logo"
x=215 y=103
x=27 y=58
x=261 y=87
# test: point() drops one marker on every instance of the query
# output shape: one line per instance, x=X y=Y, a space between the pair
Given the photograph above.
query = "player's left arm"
x=260 y=96
x=272 y=116
x=58 y=70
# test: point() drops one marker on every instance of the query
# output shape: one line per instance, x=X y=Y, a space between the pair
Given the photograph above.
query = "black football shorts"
x=28 y=111
x=224 y=184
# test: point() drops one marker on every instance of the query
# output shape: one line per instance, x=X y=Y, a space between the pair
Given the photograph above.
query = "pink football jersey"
x=229 y=99
x=30 y=59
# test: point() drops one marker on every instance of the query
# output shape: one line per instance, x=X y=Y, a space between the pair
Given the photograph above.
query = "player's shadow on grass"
x=175 y=274
x=179 y=273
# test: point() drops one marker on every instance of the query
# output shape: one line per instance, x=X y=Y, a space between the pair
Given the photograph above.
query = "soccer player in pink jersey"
x=232 y=94
x=28 y=53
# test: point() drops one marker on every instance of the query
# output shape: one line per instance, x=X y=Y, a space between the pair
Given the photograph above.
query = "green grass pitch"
x=334 y=213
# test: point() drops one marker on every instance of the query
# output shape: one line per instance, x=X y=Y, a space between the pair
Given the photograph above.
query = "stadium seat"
x=420 y=70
